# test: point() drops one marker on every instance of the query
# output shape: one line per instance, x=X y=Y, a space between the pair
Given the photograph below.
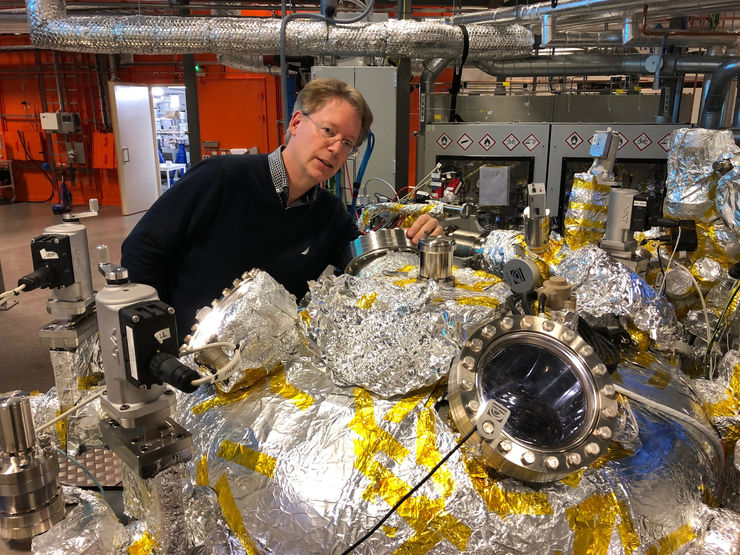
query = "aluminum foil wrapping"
x=394 y=210
x=303 y=465
x=158 y=504
x=208 y=531
x=76 y=370
x=394 y=335
x=691 y=181
x=721 y=396
x=257 y=314
x=588 y=204
x=50 y=26
x=392 y=263
x=501 y=246
x=604 y=286
x=707 y=271
x=727 y=199
x=77 y=430
x=90 y=527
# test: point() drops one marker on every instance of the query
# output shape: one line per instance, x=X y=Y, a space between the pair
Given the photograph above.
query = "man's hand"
x=423 y=226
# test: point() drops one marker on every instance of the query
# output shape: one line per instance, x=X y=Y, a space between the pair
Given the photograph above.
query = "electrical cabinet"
x=60 y=122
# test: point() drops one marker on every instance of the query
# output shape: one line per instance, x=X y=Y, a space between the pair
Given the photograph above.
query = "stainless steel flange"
x=376 y=244
x=562 y=402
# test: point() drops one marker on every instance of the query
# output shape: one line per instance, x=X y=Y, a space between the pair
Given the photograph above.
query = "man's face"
x=317 y=159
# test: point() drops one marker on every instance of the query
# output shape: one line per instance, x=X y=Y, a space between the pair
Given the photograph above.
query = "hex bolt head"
x=527 y=322
x=599 y=370
x=507 y=323
x=586 y=350
x=592 y=449
x=476 y=345
x=488 y=427
x=504 y=445
x=573 y=459
x=604 y=432
x=608 y=390
x=466 y=384
x=528 y=457
x=473 y=405
x=552 y=462
x=568 y=335
x=548 y=325
x=488 y=332
x=468 y=362
x=610 y=412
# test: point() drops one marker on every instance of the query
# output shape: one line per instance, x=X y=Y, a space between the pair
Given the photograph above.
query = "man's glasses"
x=330 y=136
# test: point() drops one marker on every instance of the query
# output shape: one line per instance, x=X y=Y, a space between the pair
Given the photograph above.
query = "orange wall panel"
x=104 y=151
x=238 y=113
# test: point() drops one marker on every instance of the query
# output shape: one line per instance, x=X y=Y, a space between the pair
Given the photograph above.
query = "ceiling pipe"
x=432 y=69
x=711 y=115
x=51 y=27
x=600 y=64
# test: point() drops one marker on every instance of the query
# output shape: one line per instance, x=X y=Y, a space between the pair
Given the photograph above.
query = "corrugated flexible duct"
x=51 y=27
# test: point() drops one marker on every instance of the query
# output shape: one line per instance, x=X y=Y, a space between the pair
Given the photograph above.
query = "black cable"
x=38 y=167
x=410 y=493
x=602 y=345
x=527 y=302
x=457 y=77
x=541 y=302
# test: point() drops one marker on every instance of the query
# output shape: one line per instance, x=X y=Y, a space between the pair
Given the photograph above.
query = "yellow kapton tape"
x=232 y=515
x=143 y=546
x=501 y=501
x=279 y=386
x=427 y=453
x=247 y=457
x=201 y=471
x=366 y=301
x=672 y=542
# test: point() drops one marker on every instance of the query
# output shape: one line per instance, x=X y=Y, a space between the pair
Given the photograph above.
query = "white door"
x=136 y=146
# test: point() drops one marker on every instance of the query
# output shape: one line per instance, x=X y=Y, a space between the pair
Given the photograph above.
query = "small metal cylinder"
x=16 y=423
x=30 y=498
x=536 y=232
x=435 y=257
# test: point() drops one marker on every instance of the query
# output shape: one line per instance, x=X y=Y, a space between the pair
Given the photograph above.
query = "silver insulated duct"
x=51 y=27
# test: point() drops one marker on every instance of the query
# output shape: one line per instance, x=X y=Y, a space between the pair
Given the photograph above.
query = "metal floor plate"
x=103 y=464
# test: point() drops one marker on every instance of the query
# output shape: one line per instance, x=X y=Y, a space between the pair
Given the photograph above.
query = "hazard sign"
x=511 y=141
x=444 y=140
x=486 y=142
x=465 y=141
x=531 y=142
x=573 y=140
x=642 y=142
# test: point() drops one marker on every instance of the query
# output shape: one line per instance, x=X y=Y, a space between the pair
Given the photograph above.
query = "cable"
x=227 y=344
x=421 y=183
x=670 y=260
x=11 y=292
x=84 y=469
x=362 y=168
x=410 y=493
x=393 y=194
x=283 y=62
x=75 y=408
x=701 y=298
x=678 y=415
x=710 y=343
x=22 y=140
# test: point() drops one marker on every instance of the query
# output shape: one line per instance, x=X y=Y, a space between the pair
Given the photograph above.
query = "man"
x=230 y=214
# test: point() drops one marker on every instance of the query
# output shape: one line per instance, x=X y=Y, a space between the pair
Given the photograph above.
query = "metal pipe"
x=432 y=69
x=736 y=113
x=52 y=27
x=598 y=64
x=710 y=117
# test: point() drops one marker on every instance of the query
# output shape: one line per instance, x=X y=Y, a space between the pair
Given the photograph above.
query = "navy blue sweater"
x=222 y=218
